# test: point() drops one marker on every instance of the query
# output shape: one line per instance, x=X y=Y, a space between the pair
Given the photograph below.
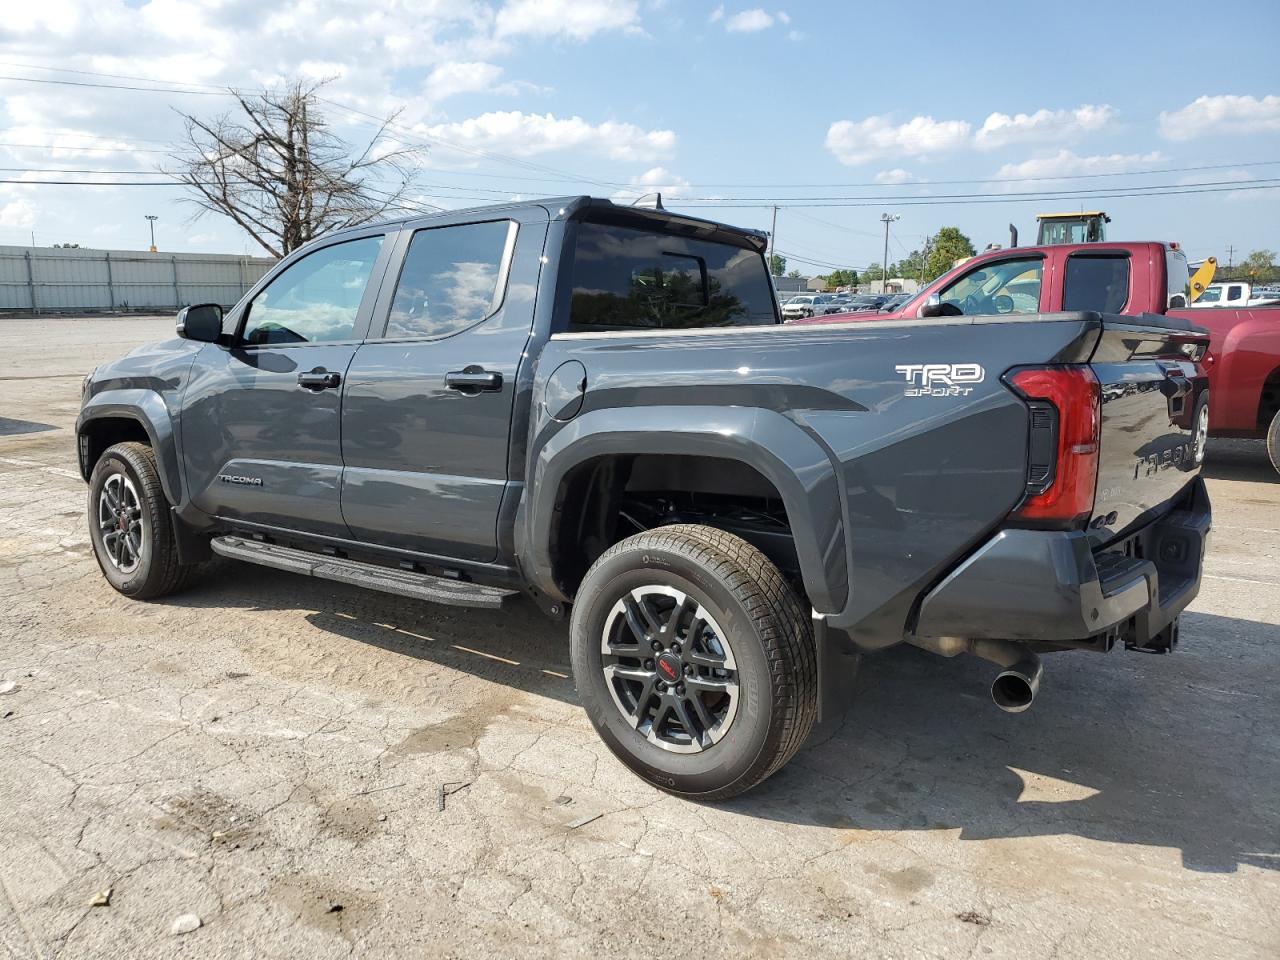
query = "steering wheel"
x=1002 y=302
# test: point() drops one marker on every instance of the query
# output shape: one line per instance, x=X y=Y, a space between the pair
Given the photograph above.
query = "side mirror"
x=932 y=307
x=201 y=321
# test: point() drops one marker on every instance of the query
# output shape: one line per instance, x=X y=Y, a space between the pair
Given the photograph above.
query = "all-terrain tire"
x=767 y=630
x=152 y=570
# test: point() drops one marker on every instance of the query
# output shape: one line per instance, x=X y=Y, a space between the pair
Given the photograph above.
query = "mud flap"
x=838 y=663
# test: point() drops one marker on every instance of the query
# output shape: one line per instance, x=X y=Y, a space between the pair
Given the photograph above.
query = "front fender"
x=798 y=467
x=148 y=409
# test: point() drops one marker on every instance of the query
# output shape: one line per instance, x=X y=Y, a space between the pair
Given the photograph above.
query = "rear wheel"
x=694 y=660
x=1273 y=441
x=129 y=524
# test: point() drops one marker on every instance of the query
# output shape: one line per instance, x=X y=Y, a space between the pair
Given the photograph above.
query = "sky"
x=836 y=111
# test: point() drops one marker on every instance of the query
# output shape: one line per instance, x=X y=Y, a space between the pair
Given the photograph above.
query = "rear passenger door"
x=426 y=417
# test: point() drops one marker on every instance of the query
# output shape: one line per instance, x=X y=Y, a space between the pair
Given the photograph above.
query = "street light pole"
x=153 y=218
x=886 y=219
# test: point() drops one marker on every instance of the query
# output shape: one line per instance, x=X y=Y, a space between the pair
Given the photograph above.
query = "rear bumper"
x=1048 y=586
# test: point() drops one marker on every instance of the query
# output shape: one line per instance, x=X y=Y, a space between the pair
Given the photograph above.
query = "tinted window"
x=1178 y=278
x=1210 y=295
x=316 y=299
x=1234 y=293
x=1096 y=283
x=1006 y=286
x=628 y=279
x=450 y=279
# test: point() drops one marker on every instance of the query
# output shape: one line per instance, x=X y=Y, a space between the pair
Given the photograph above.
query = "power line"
x=820 y=203
x=1102 y=192
x=60 y=146
x=117 y=86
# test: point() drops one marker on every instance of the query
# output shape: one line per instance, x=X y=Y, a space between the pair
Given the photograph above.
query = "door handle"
x=473 y=379
x=319 y=379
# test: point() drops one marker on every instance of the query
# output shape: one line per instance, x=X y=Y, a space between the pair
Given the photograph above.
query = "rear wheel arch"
x=582 y=472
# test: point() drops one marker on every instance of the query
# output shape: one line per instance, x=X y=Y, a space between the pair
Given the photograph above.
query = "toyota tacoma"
x=598 y=407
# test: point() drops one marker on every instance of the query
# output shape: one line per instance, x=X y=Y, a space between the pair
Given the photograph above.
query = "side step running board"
x=405 y=583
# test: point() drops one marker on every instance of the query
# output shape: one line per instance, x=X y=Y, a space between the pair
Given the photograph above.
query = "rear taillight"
x=1065 y=427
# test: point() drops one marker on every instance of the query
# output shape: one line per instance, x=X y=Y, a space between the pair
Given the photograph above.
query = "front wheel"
x=129 y=524
x=694 y=660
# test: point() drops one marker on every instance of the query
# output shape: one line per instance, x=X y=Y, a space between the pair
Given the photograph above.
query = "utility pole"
x=1231 y=250
x=924 y=259
x=886 y=219
x=152 y=218
x=773 y=230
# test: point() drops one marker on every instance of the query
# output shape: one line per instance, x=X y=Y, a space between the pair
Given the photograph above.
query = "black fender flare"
x=147 y=408
x=781 y=451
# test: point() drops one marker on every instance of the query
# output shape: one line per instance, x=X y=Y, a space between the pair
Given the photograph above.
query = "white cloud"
x=749 y=21
x=655 y=180
x=17 y=213
x=896 y=175
x=716 y=15
x=450 y=79
x=878 y=137
x=1064 y=163
x=578 y=19
x=527 y=134
x=1227 y=114
x=1043 y=126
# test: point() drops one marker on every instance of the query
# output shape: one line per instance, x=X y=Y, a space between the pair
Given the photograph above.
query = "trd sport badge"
x=940 y=379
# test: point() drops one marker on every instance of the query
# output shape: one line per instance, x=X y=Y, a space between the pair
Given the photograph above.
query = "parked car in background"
x=894 y=302
x=807 y=305
x=595 y=405
x=1137 y=278
x=1235 y=293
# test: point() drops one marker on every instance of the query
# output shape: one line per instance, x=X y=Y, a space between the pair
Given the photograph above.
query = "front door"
x=426 y=421
x=261 y=424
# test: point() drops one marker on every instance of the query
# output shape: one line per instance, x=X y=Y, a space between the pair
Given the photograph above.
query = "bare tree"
x=277 y=169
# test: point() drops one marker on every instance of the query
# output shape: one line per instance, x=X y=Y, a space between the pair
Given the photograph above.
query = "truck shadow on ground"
x=1178 y=752
x=1239 y=460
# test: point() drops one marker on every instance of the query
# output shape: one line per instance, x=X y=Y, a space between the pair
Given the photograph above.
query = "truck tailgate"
x=1154 y=419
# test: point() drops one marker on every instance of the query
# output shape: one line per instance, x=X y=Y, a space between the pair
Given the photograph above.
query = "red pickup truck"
x=1125 y=278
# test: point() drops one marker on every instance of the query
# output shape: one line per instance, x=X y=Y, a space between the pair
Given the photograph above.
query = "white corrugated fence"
x=62 y=280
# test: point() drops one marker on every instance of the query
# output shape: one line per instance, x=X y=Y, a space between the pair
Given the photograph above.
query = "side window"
x=1096 y=283
x=1006 y=286
x=452 y=278
x=316 y=299
x=633 y=279
x=1178 y=279
x=1234 y=293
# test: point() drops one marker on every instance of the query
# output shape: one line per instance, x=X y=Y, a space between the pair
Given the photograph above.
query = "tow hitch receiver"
x=1166 y=641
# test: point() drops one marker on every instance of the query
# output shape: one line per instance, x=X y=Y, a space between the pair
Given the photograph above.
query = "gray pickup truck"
x=597 y=407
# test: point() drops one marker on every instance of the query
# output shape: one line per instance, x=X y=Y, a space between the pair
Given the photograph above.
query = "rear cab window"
x=1096 y=281
x=629 y=278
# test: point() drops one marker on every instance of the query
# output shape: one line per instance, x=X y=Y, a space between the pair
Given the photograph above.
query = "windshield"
x=1210 y=295
x=1007 y=286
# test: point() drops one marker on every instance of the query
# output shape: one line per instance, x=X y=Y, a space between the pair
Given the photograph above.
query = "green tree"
x=841 y=278
x=948 y=246
x=795 y=274
x=873 y=273
x=777 y=264
x=1259 y=265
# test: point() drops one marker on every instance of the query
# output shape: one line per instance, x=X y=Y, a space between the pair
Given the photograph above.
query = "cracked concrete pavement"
x=269 y=752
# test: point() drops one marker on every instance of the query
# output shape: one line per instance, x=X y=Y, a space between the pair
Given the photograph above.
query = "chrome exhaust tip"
x=1014 y=688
